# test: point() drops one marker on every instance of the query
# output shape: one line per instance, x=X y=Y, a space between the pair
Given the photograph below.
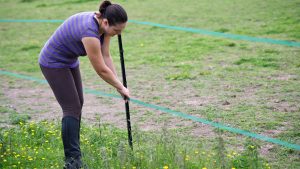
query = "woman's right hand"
x=124 y=93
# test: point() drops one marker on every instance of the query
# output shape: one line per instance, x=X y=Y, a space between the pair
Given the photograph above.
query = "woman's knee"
x=74 y=110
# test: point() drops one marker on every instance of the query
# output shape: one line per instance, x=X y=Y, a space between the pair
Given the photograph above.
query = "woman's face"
x=113 y=30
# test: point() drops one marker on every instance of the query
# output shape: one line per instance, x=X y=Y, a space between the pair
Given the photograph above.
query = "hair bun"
x=103 y=6
x=114 y=13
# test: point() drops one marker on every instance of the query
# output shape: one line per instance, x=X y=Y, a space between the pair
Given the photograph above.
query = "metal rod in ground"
x=125 y=84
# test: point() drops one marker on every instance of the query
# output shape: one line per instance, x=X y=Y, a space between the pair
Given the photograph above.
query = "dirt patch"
x=284 y=77
x=283 y=106
x=201 y=130
x=267 y=147
x=249 y=92
x=39 y=102
x=200 y=101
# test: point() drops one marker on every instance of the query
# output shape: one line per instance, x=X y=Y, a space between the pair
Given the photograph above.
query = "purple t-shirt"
x=65 y=46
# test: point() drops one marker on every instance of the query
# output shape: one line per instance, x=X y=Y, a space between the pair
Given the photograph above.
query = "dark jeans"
x=67 y=87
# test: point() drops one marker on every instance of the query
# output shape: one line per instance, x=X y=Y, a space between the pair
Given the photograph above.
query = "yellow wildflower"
x=165 y=167
x=204 y=168
x=228 y=155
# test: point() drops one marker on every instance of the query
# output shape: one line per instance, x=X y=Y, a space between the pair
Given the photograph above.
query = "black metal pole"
x=125 y=84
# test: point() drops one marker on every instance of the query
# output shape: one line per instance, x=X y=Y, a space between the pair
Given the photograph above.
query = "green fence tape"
x=172 y=112
x=198 y=31
x=219 y=34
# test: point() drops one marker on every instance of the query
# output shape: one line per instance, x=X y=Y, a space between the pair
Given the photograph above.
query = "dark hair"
x=114 y=13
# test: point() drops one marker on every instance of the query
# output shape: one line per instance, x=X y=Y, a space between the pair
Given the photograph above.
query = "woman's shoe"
x=73 y=163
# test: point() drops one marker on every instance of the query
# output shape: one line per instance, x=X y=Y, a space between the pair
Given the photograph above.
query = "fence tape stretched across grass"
x=167 y=110
x=198 y=31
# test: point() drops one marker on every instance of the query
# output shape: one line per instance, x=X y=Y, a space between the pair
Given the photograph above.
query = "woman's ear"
x=105 y=22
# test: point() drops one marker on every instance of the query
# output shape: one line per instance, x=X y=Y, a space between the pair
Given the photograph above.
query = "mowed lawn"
x=247 y=85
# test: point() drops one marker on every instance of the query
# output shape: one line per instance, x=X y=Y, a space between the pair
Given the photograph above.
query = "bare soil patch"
x=39 y=102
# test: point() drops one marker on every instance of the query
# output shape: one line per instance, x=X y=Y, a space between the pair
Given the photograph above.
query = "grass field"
x=247 y=85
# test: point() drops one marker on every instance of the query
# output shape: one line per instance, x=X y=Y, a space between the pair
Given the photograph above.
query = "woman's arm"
x=93 y=50
x=106 y=55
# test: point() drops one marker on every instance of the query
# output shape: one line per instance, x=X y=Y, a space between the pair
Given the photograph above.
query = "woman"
x=82 y=34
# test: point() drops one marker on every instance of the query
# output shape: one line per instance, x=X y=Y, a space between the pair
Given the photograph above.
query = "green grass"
x=11 y=116
x=173 y=69
x=38 y=145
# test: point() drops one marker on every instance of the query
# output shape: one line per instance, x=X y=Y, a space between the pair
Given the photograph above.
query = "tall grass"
x=38 y=145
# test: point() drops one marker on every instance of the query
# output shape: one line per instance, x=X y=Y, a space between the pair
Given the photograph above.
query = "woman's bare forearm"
x=109 y=63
